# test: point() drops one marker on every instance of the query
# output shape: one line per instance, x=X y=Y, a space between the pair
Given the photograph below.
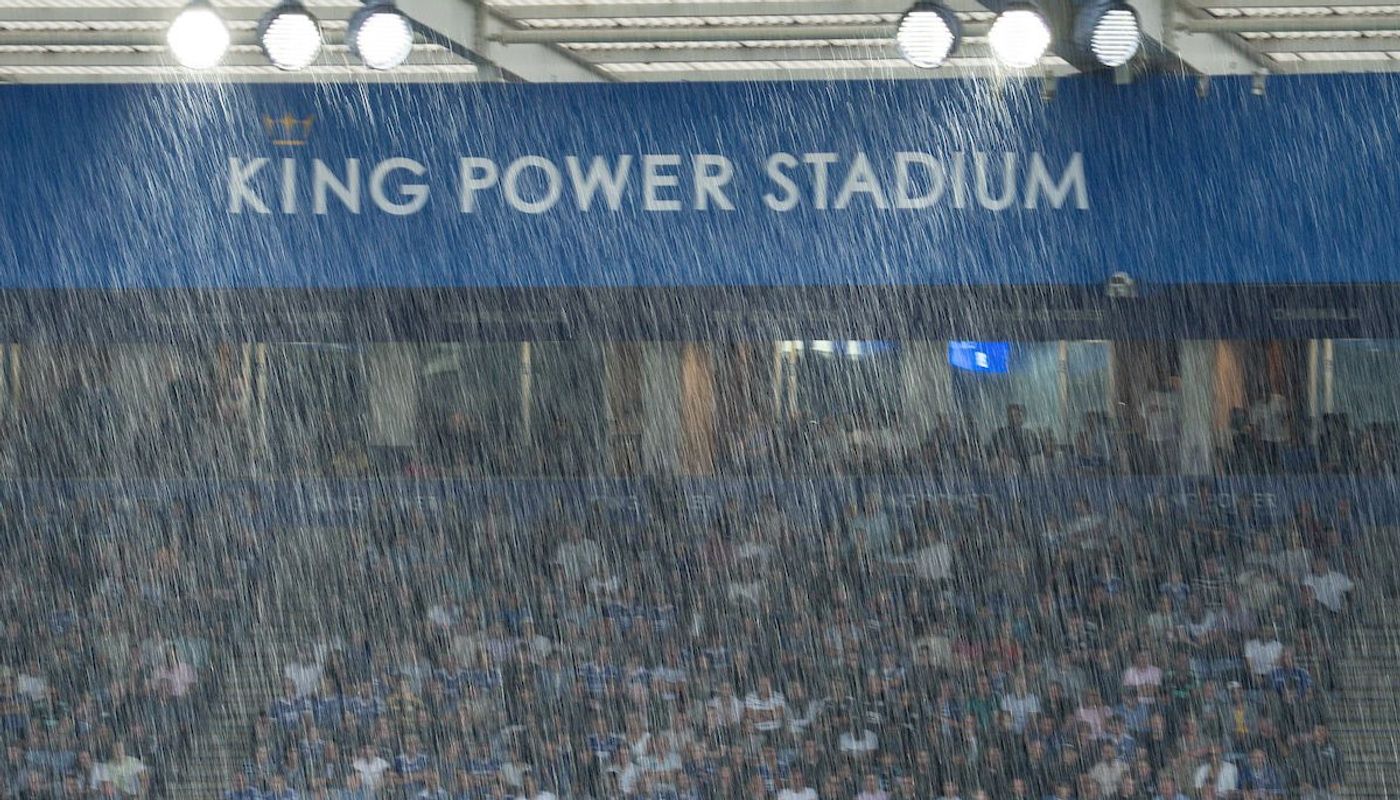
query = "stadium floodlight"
x=290 y=36
x=1109 y=29
x=380 y=35
x=927 y=34
x=1019 y=36
x=198 y=38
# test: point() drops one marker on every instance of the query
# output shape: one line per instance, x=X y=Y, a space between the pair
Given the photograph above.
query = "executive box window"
x=819 y=407
x=87 y=410
x=1358 y=429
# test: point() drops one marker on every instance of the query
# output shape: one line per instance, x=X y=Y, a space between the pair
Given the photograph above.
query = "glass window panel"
x=568 y=418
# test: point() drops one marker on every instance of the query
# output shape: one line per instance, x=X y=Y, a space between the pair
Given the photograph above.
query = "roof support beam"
x=700 y=33
x=739 y=8
x=264 y=74
x=769 y=73
x=119 y=13
x=1330 y=66
x=471 y=29
x=1288 y=3
x=1204 y=53
x=685 y=55
x=51 y=38
x=87 y=60
x=1357 y=22
x=1362 y=44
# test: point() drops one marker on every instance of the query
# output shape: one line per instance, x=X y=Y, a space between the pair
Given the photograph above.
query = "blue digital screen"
x=990 y=357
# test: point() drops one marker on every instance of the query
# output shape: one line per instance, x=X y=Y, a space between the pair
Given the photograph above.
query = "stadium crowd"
x=943 y=650
x=1165 y=648
x=109 y=668
x=1265 y=439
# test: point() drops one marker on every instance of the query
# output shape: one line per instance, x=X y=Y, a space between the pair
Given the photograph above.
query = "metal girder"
x=682 y=55
x=117 y=13
x=952 y=70
x=1365 y=44
x=1325 y=67
x=470 y=30
x=679 y=55
x=701 y=33
x=161 y=60
x=740 y=8
x=1357 y=22
x=1243 y=4
x=1205 y=53
x=237 y=75
x=51 y=38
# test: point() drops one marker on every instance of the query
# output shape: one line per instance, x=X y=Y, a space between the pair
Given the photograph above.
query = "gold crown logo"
x=288 y=130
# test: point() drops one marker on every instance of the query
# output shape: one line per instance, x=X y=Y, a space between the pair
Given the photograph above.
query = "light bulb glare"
x=1019 y=37
x=381 y=36
x=1116 y=37
x=927 y=34
x=290 y=36
x=198 y=38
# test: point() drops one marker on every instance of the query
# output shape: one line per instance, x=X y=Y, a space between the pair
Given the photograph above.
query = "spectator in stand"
x=1210 y=584
x=1130 y=789
x=627 y=772
x=1013 y=444
x=531 y=790
x=1329 y=586
x=304 y=672
x=797 y=788
x=1161 y=417
x=872 y=527
x=933 y=561
x=1269 y=417
x=1291 y=678
x=31 y=684
x=240 y=790
x=1167 y=789
x=432 y=788
x=1262 y=653
x=126 y=772
x=1141 y=673
x=1093 y=713
x=580 y=559
x=1238 y=718
x=765 y=708
x=1320 y=761
x=70 y=788
x=174 y=677
x=1096 y=446
x=1108 y=772
x=1217 y=774
x=1021 y=703
x=353 y=789
x=855 y=739
x=412 y=764
x=1242 y=456
x=1261 y=779
x=277 y=789
x=371 y=768
x=404 y=705
x=1336 y=445
x=870 y=789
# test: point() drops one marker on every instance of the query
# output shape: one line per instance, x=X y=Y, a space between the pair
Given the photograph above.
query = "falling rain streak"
x=431 y=455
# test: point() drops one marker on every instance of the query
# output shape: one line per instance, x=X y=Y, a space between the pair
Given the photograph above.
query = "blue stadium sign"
x=919 y=183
